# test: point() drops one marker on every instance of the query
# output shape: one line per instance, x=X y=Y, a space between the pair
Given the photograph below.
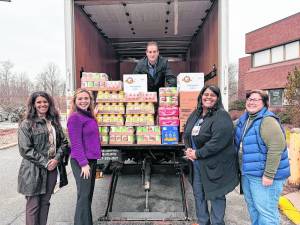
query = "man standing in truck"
x=156 y=67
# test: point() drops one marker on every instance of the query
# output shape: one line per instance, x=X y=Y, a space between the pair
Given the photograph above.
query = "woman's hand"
x=191 y=154
x=96 y=110
x=267 y=181
x=52 y=164
x=85 y=171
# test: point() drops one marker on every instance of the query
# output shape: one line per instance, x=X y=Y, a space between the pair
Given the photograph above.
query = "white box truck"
x=110 y=36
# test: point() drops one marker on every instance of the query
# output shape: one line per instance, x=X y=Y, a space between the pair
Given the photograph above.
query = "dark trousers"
x=37 y=207
x=218 y=205
x=85 y=190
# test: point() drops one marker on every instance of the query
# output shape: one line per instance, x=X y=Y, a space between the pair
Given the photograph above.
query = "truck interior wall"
x=176 y=67
x=92 y=52
x=204 y=47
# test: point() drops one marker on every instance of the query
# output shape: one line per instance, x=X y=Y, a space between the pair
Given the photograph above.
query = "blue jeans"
x=218 y=205
x=262 y=201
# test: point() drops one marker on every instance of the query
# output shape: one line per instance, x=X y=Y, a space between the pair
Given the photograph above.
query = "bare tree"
x=5 y=77
x=41 y=82
x=14 y=88
x=21 y=88
x=233 y=82
x=48 y=80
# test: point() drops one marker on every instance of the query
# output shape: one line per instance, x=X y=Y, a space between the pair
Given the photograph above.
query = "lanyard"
x=244 y=131
x=197 y=126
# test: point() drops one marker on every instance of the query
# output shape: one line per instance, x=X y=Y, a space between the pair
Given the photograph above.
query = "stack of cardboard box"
x=188 y=103
x=189 y=86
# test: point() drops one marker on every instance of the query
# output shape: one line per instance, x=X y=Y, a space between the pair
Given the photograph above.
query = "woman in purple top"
x=85 y=150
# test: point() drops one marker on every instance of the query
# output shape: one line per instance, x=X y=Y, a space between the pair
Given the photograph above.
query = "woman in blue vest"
x=208 y=137
x=260 y=142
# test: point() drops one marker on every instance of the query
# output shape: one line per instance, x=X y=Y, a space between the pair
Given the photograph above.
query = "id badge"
x=196 y=130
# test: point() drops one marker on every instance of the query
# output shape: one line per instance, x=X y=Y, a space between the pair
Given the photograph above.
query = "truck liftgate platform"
x=145 y=160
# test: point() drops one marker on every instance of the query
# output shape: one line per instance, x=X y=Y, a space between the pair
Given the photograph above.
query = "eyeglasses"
x=253 y=99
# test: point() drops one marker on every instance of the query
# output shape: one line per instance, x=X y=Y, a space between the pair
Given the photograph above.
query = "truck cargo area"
x=110 y=36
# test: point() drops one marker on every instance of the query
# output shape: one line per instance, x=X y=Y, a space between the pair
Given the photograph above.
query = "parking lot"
x=8 y=134
x=129 y=196
x=8 y=125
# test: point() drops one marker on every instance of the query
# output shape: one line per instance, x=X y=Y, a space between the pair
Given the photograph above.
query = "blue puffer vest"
x=254 y=148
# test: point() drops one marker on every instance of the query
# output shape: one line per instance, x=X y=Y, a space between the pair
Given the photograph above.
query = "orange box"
x=188 y=99
x=184 y=113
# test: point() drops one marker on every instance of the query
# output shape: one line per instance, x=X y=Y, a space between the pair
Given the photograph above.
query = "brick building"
x=274 y=51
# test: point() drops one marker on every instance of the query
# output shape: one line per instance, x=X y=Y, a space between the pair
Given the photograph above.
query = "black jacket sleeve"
x=171 y=80
x=137 y=69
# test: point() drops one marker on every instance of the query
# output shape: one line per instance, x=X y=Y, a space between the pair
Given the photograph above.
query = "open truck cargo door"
x=110 y=36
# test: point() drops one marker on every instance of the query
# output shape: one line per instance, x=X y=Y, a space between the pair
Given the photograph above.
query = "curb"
x=288 y=209
x=8 y=146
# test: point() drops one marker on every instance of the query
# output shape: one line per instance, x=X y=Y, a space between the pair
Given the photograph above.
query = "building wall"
x=92 y=53
x=271 y=76
x=282 y=31
x=204 y=47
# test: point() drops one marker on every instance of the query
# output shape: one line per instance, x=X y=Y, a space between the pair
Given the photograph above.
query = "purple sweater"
x=84 y=138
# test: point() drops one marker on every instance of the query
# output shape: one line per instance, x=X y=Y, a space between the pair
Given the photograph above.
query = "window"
x=292 y=50
x=276 y=97
x=277 y=54
x=261 y=58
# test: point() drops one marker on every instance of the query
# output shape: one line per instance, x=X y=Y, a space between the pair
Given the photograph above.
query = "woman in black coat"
x=208 y=137
x=44 y=149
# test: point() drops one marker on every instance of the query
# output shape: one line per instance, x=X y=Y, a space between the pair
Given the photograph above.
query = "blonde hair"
x=73 y=101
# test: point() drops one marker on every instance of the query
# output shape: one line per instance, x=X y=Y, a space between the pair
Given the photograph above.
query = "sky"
x=32 y=31
x=248 y=15
x=32 y=35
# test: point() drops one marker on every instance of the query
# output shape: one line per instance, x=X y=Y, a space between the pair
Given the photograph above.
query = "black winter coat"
x=33 y=147
x=162 y=77
x=215 y=152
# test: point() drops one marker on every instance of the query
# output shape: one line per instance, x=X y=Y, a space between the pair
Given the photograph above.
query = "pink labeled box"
x=168 y=121
x=168 y=111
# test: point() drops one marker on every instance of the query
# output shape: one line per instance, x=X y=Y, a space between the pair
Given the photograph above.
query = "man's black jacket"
x=163 y=75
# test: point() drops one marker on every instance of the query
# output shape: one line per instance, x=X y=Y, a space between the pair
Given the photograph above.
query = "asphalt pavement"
x=164 y=196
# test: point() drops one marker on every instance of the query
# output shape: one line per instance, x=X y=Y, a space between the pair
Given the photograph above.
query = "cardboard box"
x=188 y=99
x=168 y=111
x=169 y=121
x=190 y=81
x=135 y=83
x=169 y=135
x=184 y=113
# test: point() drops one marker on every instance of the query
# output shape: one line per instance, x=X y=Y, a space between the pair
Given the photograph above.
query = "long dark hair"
x=217 y=105
x=52 y=113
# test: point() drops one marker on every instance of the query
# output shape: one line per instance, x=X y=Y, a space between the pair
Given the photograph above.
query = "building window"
x=277 y=54
x=261 y=58
x=292 y=50
x=276 y=97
